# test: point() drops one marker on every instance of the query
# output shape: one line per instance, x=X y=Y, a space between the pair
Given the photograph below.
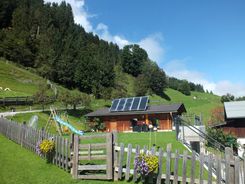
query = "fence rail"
x=83 y=151
x=28 y=138
x=173 y=166
x=27 y=100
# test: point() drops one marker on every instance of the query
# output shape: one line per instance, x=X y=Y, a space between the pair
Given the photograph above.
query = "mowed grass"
x=20 y=166
x=149 y=139
x=26 y=167
x=71 y=116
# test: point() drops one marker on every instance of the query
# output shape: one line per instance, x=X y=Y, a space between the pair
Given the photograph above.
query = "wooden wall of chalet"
x=123 y=123
x=235 y=127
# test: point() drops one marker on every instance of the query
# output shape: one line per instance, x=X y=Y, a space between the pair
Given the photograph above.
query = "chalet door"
x=113 y=125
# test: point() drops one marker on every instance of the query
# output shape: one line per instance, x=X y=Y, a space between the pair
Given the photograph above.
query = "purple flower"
x=38 y=150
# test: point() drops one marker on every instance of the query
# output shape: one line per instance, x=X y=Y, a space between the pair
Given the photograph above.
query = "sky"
x=201 y=41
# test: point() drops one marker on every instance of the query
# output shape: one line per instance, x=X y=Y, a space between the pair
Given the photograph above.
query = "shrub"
x=228 y=140
x=96 y=124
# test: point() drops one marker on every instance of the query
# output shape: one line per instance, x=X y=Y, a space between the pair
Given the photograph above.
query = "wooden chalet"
x=159 y=116
x=234 y=118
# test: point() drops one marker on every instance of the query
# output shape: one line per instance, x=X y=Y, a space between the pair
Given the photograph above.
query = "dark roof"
x=154 y=109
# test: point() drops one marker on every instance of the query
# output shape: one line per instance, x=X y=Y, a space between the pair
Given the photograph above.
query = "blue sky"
x=201 y=41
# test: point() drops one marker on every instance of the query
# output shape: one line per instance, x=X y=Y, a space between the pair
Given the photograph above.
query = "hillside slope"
x=197 y=103
x=24 y=83
x=21 y=82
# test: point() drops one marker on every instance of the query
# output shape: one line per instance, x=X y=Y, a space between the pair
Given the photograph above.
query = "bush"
x=228 y=140
x=96 y=124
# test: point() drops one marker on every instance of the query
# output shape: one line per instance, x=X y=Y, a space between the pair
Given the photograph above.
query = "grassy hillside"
x=21 y=82
x=24 y=83
x=197 y=103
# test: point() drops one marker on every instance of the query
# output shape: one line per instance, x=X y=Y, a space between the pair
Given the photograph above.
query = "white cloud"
x=178 y=69
x=103 y=32
x=151 y=43
x=224 y=87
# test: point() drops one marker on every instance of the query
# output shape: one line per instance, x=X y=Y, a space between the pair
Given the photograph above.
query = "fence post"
x=237 y=169
x=168 y=164
x=229 y=170
x=115 y=156
x=75 y=157
x=160 y=162
x=109 y=165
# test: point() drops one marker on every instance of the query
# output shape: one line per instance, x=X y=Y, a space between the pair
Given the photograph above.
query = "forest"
x=43 y=37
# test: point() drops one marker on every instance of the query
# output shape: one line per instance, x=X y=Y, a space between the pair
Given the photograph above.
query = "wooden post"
x=218 y=170
x=160 y=161
x=63 y=152
x=193 y=167
x=210 y=163
x=237 y=169
x=184 y=167
x=120 y=167
x=66 y=153
x=137 y=153
x=115 y=155
x=75 y=157
x=243 y=169
x=229 y=170
x=109 y=161
x=128 y=162
x=168 y=164
x=201 y=167
x=176 y=164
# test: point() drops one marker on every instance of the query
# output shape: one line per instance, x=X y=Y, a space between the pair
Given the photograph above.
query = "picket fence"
x=119 y=158
x=28 y=138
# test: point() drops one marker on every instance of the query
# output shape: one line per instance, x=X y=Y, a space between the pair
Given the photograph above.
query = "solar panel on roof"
x=143 y=103
x=114 y=105
x=135 y=104
x=121 y=104
x=128 y=104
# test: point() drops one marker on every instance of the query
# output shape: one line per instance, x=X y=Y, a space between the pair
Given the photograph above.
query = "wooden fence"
x=203 y=169
x=174 y=167
x=27 y=100
x=28 y=138
x=85 y=149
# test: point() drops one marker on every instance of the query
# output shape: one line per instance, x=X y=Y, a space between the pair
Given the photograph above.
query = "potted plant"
x=46 y=147
x=146 y=164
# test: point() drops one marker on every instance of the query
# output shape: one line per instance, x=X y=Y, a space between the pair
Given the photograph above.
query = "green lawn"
x=160 y=139
x=26 y=167
x=73 y=117
x=20 y=166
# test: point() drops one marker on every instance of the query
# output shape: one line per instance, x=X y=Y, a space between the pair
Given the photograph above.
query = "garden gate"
x=98 y=151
